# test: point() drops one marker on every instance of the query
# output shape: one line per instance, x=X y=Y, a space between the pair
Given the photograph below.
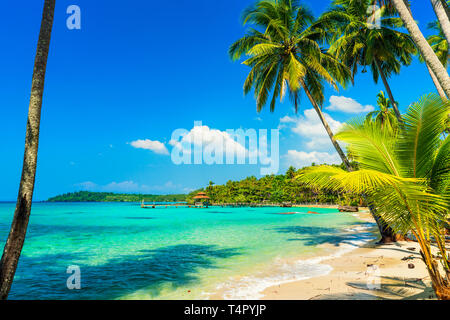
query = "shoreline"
x=369 y=272
x=358 y=269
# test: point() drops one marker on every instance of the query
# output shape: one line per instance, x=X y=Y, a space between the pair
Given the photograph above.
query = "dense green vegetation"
x=273 y=189
x=87 y=196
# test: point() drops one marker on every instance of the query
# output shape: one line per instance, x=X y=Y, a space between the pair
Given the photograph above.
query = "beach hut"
x=201 y=199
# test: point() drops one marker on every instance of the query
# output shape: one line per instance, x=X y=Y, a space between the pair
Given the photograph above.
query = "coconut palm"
x=425 y=49
x=440 y=8
x=16 y=238
x=358 y=43
x=439 y=44
x=285 y=56
x=385 y=115
x=405 y=175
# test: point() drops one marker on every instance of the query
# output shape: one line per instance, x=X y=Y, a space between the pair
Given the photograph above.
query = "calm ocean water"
x=125 y=252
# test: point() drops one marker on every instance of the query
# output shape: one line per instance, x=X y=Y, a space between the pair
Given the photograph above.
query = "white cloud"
x=309 y=126
x=301 y=159
x=348 y=105
x=130 y=187
x=287 y=119
x=155 y=146
x=204 y=136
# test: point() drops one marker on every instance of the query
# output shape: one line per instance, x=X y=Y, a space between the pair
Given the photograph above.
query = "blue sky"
x=139 y=70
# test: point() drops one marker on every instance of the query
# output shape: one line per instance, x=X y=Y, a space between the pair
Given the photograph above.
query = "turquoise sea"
x=125 y=252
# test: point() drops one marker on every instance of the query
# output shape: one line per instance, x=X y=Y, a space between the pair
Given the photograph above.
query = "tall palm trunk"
x=388 y=89
x=327 y=127
x=436 y=83
x=16 y=238
x=442 y=16
x=425 y=49
x=387 y=234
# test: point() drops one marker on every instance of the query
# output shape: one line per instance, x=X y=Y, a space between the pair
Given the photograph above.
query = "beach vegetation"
x=276 y=190
x=405 y=175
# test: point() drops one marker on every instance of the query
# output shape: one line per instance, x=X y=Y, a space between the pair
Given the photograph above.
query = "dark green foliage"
x=87 y=196
x=272 y=189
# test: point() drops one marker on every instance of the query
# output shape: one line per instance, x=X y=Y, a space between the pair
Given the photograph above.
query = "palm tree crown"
x=358 y=42
x=285 y=55
x=385 y=115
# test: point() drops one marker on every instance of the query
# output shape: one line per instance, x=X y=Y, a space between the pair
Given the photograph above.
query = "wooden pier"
x=170 y=205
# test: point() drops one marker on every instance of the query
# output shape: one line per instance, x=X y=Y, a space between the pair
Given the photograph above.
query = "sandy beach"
x=368 y=272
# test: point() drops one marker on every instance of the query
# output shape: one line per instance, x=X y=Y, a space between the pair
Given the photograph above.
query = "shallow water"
x=125 y=252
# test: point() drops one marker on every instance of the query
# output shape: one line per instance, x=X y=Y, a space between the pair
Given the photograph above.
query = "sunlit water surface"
x=125 y=252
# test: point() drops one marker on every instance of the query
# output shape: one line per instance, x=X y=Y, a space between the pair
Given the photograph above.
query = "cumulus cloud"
x=310 y=127
x=347 y=105
x=204 y=136
x=301 y=159
x=147 y=144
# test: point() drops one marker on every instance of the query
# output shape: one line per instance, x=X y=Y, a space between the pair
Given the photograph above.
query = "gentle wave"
x=251 y=287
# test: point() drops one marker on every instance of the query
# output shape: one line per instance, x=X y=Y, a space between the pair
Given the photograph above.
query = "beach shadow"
x=80 y=231
x=313 y=236
x=392 y=288
x=153 y=270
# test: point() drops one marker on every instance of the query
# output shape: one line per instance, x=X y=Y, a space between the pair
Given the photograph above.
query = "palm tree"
x=406 y=175
x=439 y=44
x=439 y=7
x=425 y=49
x=286 y=56
x=359 y=43
x=384 y=116
x=16 y=238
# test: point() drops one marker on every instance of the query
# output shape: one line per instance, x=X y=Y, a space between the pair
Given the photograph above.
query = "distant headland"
x=88 y=196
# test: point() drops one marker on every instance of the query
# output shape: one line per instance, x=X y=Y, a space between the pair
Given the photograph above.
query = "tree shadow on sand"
x=391 y=288
x=313 y=236
x=171 y=266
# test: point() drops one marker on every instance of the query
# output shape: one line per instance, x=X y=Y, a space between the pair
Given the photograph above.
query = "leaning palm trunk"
x=387 y=234
x=388 y=89
x=16 y=238
x=327 y=127
x=441 y=14
x=425 y=49
x=436 y=83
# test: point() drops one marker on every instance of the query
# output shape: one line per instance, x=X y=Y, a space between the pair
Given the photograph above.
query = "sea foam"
x=251 y=287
